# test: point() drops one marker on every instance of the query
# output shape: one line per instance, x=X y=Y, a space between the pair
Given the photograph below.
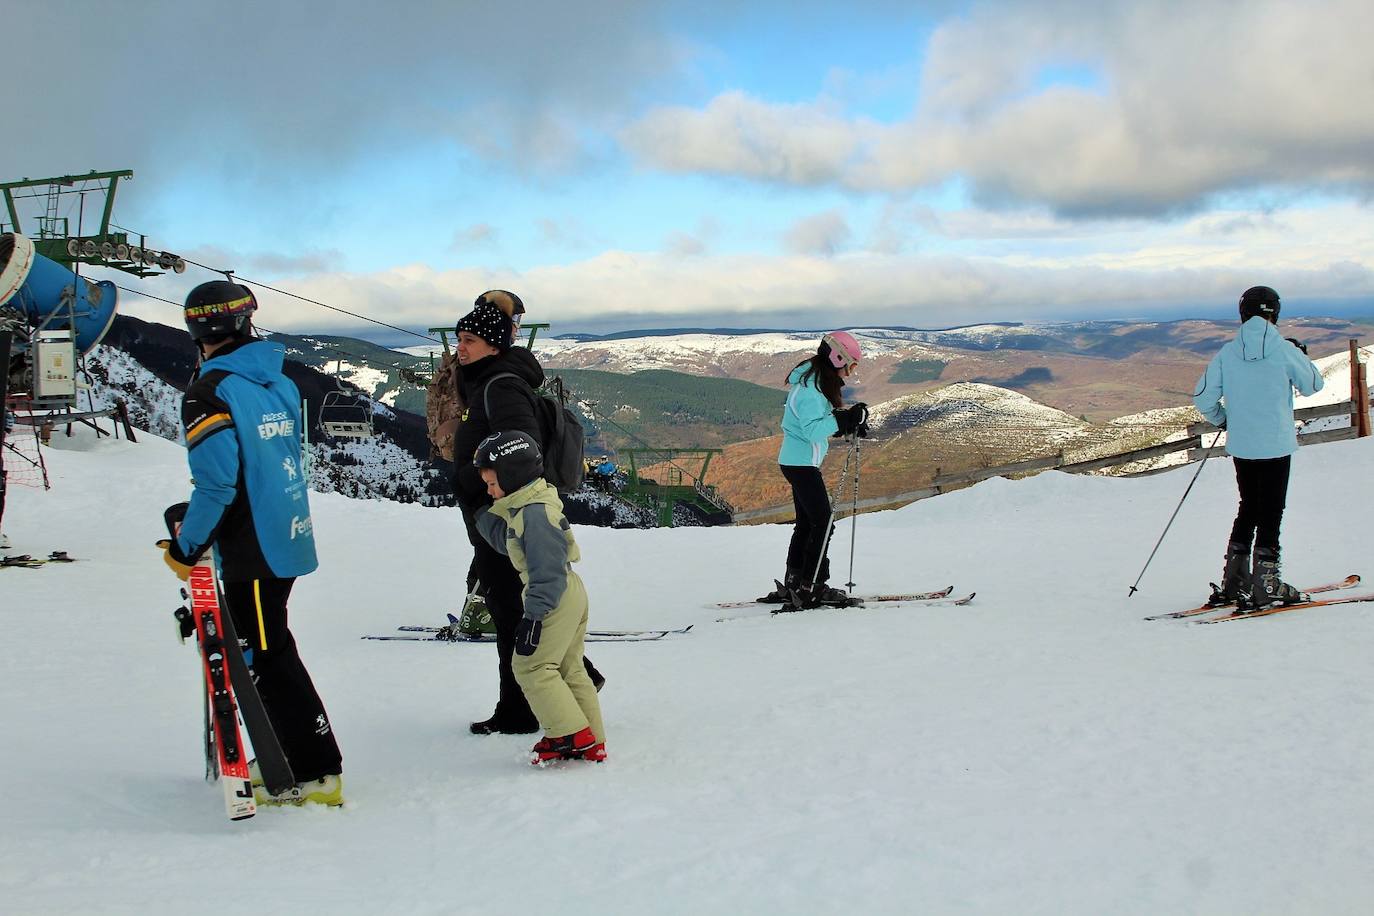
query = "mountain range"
x=942 y=400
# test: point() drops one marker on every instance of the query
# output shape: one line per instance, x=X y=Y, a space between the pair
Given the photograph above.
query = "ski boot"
x=1235 y=577
x=327 y=790
x=799 y=598
x=1267 y=589
x=783 y=590
x=579 y=746
x=834 y=597
x=806 y=597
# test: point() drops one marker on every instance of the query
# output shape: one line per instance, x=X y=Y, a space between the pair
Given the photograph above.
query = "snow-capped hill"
x=1335 y=370
x=705 y=354
x=970 y=405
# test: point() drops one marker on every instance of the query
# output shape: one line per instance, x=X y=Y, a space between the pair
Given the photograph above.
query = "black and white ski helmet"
x=513 y=455
x=1262 y=301
x=219 y=309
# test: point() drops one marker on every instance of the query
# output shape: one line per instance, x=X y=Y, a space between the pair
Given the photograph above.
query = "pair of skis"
x=451 y=633
x=1232 y=612
x=229 y=695
x=938 y=598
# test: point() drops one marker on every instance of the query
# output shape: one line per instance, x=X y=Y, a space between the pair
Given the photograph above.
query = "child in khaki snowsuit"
x=526 y=523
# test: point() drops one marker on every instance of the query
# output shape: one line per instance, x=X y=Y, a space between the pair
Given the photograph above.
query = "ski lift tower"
x=657 y=481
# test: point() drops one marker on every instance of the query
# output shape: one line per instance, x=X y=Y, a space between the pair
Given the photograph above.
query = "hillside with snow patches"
x=971 y=418
x=1042 y=750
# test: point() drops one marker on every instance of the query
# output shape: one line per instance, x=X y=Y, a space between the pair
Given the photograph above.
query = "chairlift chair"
x=343 y=417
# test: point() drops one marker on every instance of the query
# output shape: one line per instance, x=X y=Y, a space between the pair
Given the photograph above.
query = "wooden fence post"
x=1363 y=428
x=1355 y=385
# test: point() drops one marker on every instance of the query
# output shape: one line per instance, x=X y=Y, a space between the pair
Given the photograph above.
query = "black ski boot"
x=833 y=597
x=1235 y=577
x=783 y=591
x=806 y=597
x=1267 y=589
x=799 y=598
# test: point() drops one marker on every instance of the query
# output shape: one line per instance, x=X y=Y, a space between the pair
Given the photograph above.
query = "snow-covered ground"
x=1043 y=750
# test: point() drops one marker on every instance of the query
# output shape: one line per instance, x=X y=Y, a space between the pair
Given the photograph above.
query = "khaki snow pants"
x=553 y=678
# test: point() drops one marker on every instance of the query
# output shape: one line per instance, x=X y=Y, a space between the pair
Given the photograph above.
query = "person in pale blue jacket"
x=814 y=412
x=1247 y=390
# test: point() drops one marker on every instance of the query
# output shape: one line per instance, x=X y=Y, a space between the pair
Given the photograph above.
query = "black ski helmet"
x=1262 y=301
x=513 y=455
x=219 y=309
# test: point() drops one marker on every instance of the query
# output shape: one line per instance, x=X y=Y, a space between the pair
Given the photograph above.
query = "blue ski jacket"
x=1249 y=385
x=808 y=422
x=242 y=418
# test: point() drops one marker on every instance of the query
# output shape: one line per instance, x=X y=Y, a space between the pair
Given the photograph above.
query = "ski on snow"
x=215 y=644
x=914 y=596
x=1348 y=582
x=1281 y=608
x=646 y=636
x=231 y=699
x=451 y=633
x=924 y=599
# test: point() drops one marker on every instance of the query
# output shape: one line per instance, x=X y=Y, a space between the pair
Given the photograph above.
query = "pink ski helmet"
x=841 y=348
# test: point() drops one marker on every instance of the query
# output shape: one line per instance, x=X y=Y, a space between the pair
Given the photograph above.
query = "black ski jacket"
x=512 y=408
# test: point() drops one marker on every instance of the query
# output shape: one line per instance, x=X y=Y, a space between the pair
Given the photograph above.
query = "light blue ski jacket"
x=808 y=422
x=1249 y=386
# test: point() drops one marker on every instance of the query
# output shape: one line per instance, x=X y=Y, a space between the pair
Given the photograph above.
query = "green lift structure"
x=106 y=246
x=655 y=480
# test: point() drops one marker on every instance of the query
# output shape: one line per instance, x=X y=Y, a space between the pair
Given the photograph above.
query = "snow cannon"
x=51 y=297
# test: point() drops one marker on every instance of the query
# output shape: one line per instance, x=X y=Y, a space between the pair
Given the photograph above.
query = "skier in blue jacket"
x=814 y=412
x=1247 y=390
x=250 y=502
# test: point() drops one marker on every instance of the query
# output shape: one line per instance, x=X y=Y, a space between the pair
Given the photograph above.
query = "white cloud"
x=1194 y=99
x=736 y=134
x=1308 y=254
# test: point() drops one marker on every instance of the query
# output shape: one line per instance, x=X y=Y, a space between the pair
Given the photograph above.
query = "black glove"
x=173 y=515
x=527 y=635
x=851 y=420
x=1297 y=343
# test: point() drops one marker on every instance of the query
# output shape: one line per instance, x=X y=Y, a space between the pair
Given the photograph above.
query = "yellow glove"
x=182 y=570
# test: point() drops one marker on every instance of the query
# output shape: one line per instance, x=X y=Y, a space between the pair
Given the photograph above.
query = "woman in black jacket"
x=505 y=404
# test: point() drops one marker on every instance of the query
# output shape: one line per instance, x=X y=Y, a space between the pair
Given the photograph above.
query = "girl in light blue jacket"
x=1247 y=390
x=814 y=412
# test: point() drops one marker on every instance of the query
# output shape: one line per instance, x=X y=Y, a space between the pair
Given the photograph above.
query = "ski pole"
x=853 y=517
x=830 y=524
x=1201 y=464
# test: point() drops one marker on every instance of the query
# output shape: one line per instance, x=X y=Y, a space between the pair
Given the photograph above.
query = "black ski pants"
x=258 y=609
x=1263 y=485
x=811 y=502
x=505 y=594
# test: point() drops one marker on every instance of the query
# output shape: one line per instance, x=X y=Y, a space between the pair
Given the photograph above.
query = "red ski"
x=1347 y=582
x=1279 y=609
x=229 y=744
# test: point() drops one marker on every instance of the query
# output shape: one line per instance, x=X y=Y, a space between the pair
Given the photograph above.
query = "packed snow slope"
x=1043 y=750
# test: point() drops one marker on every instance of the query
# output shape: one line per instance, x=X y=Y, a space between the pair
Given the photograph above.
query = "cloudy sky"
x=641 y=164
